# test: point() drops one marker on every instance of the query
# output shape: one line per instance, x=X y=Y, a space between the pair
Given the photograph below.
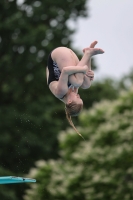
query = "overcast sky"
x=111 y=23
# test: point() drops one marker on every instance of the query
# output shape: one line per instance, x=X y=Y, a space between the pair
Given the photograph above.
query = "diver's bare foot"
x=93 y=51
x=93 y=44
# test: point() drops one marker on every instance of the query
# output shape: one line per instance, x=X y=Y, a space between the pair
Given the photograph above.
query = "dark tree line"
x=30 y=117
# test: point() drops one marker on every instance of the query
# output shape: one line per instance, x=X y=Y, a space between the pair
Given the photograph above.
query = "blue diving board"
x=14 y=179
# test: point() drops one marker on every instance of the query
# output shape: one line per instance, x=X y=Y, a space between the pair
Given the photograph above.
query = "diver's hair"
x=73 y=109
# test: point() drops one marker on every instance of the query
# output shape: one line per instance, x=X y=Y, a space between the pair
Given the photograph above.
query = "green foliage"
x=31 y=117
x=103 y=89
x=28 y=33
x=126 y=80
x=97 y=168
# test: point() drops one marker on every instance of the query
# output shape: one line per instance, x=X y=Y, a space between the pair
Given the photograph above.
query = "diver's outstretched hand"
x=92 y=50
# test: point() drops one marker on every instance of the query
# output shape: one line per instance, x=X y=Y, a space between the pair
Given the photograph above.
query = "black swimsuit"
x=54 y=71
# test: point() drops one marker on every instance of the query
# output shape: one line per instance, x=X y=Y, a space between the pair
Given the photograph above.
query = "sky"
x=110 y=22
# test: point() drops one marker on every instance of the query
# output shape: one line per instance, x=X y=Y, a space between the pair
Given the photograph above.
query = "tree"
x=126 y=81
x=103 y=89
x=97 y=168
x=28 y=32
